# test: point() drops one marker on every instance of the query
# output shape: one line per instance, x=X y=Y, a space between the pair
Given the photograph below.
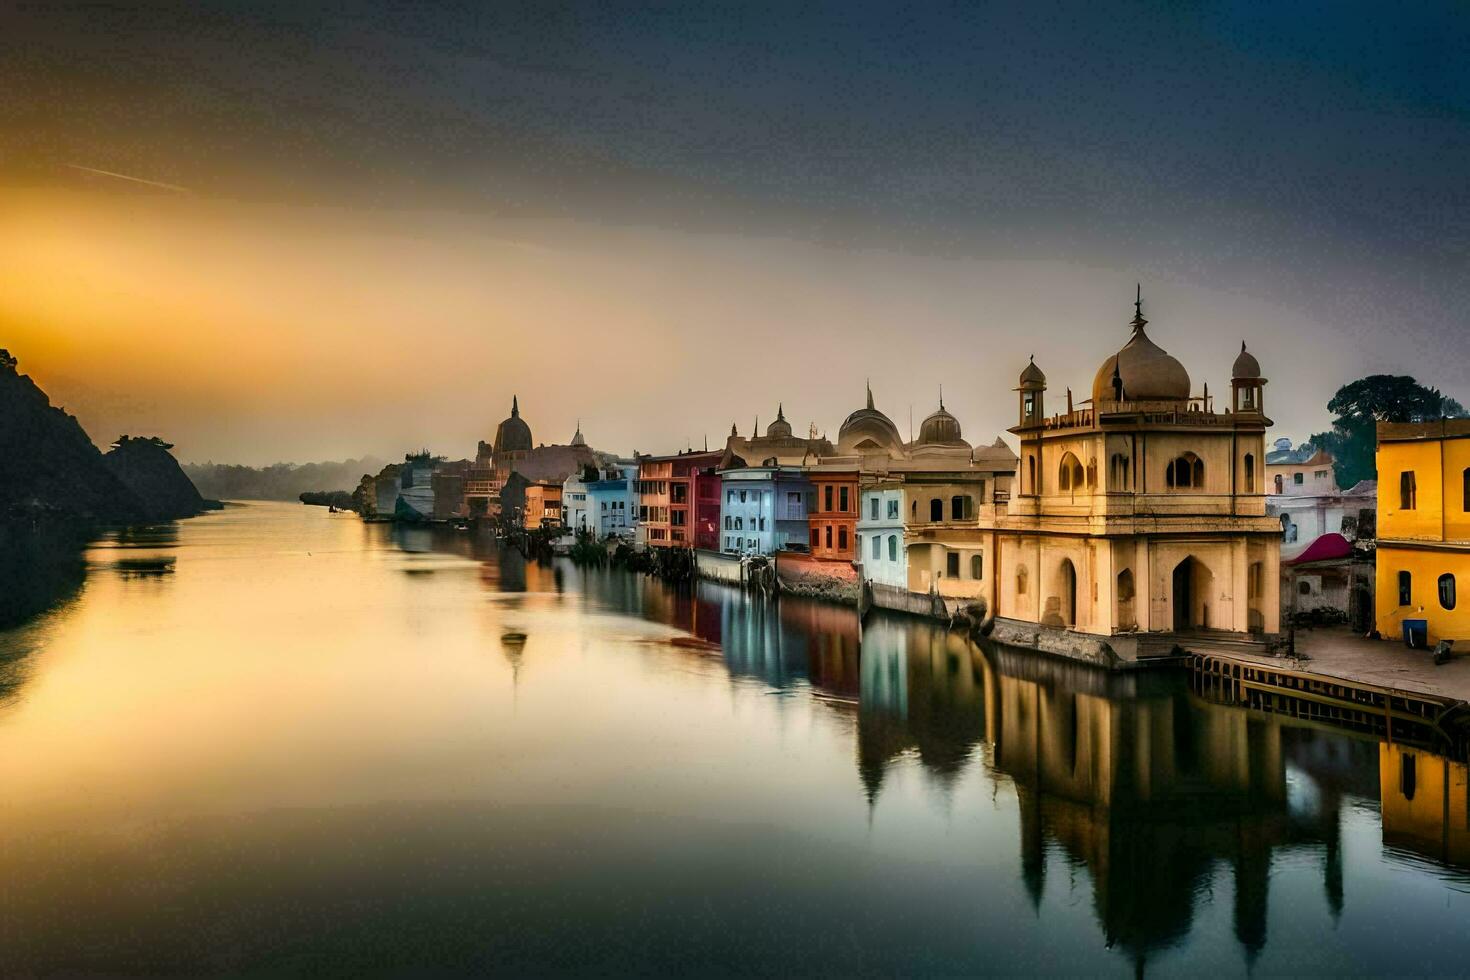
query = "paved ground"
x=1383 y=663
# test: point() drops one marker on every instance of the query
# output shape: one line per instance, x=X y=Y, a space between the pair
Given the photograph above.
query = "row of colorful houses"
x=1146 y=508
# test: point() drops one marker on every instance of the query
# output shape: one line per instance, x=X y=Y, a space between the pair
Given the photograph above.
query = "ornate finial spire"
x=734 y=432
x=1242 y=347
x=941 y=398
x=780 y=411
x=1138 y=320
x=869 y=383
x=515 y=407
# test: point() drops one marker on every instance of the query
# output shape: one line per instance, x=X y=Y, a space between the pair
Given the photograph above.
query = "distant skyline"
x=269 y=233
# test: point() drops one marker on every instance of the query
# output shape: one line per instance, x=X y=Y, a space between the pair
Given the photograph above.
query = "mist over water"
x=274 y=739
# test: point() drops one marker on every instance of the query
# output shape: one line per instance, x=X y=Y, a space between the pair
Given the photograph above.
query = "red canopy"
x=1328 y=547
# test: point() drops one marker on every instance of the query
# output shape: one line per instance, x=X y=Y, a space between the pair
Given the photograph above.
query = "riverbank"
x=1338 y=654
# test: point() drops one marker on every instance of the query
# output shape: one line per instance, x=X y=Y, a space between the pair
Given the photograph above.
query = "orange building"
x=833 y=515
x=543 y=504
x=679 y=500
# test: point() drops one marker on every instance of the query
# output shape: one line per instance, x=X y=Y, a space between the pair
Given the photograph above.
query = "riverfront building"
x=679 y=500
x=832 y=516
x=764 y=509
x=880 y=530
x=602 y=499
x=1424 y=527
x=1142 y=509
x=513 y=451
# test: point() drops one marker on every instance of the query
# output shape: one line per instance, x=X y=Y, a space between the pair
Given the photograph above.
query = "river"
x=272 y=739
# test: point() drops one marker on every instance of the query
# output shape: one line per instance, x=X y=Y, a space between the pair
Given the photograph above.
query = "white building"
x=880 y=547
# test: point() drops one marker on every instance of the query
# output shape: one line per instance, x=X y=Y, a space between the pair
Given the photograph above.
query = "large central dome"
x=869 y=431
x=1145 y=369
x=513 y=435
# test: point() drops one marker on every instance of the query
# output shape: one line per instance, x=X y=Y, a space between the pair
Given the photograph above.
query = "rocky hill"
x=149 y=470
x=50 y=468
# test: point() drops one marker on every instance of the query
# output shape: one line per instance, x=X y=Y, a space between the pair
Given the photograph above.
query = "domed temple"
x=1141 y=510
x=541 y=470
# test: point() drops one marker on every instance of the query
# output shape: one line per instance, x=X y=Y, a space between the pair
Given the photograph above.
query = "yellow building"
x=1141 y=509
x=1423 y=526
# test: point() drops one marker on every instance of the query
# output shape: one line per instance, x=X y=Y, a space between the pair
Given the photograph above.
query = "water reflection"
x=1132 y=777
x=436 y=754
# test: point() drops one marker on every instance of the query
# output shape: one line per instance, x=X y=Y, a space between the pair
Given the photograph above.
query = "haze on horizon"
x=272 y=234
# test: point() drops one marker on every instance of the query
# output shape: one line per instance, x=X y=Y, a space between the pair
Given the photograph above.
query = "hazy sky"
x=368 y=226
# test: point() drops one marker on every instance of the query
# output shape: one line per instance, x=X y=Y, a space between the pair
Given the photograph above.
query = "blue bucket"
x=1416 y=633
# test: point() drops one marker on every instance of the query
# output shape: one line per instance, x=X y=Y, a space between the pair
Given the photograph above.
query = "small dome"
x=1146 y=370
x=941 y=429
x=779 y=429
x=1032 y=375
x=513 y=435
x=1246 y=365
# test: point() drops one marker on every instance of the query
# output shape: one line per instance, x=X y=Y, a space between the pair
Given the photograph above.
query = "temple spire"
x=515 y=407
x=869 y=383
x=1138 y=320
x=941 y=398
x=780 y=411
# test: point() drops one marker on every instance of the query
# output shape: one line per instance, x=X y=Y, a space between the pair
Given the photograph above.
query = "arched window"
x=914 y=510
x=1186 y=471
x=1406 y=588
x=1250 y=472
x=1069 y=476
x=977 y=567
x=1279 y=488
x=1118 y=471
x=936 y=509
x=1031 y=474
x=1092 y=472
x=1447 y=591
x=893 y=547
x=1408 y=491
x=956 y=508
x=1021 y=580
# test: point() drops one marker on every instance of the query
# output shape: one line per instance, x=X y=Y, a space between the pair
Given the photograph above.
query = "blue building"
x=880 y=545
x=603 y=499
x=763 y=509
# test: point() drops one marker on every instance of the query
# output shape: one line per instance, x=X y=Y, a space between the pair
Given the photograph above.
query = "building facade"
x=679 y=500
x=1143 y=509
x=1424 y=527
x=880 y=528
x=1303 y=470
x=832 y=516
x=764 y=509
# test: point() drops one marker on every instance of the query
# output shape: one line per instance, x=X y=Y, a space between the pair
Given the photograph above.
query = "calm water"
x=274 y=740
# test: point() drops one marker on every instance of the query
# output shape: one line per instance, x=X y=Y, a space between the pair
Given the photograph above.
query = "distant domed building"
x=778 y=443
x=513 y=435
x=868 y=432
x=940 y=430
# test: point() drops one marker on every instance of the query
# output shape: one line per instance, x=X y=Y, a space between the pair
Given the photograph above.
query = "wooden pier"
x=1427 y=720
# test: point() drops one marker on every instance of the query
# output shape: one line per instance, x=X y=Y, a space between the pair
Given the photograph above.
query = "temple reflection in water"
x=1152 y=790
x=1162 y=798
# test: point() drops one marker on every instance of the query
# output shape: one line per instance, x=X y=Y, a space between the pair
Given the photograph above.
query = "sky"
x=271 y=233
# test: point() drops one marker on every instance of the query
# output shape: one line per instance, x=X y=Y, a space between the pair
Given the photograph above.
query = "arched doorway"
x=1191 y=594
x=1126 y=620
x=1067 y=592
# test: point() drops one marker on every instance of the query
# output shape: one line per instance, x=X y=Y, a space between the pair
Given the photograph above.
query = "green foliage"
x=1361 y=405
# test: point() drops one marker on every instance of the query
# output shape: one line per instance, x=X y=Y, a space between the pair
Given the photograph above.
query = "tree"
x=1361 y=405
